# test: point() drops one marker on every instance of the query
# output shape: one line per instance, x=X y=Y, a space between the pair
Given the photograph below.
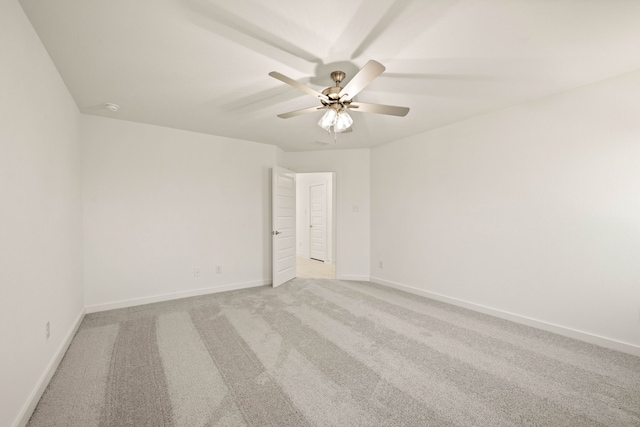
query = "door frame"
x=335 y=225
x=337 y=219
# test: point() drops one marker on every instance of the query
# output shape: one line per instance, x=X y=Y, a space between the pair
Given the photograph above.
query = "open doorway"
x=315 y=225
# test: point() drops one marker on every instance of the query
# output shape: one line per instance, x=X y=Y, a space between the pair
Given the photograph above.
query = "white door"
x=318 y=222
x=284 y=225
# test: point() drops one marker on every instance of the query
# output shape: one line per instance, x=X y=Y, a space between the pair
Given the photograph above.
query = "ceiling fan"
x=336 y=99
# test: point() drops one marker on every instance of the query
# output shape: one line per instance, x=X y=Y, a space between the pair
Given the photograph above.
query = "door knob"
x=275 y=233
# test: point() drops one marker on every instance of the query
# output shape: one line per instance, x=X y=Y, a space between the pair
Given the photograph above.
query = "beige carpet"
x=328 y=353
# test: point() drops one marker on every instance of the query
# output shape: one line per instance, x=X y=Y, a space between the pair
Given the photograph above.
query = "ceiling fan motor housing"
x=333 y=92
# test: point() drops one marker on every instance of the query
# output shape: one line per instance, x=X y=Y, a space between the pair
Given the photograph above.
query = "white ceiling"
x=203 y=65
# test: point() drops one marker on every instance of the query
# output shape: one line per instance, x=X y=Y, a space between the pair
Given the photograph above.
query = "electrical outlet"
x=48 y=330
x=381 y=264
x=196 y=272
x=218 y=269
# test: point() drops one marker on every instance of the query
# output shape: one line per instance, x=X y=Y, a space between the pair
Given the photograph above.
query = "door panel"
x=318 y=221
x=284 y=225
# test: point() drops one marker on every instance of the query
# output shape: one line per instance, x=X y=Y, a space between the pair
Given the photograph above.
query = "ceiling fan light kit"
x=340 y=120
x=343 y=122
x=337 y=99
x=328 y=120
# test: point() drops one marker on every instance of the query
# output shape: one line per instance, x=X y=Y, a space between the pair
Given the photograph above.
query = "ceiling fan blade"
x=297 y=85
x=299 y=112
x=366 y=75
x=379 y=109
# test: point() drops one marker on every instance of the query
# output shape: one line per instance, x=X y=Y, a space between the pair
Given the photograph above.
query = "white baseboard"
x=355 y=278
x=174 y=295
x=36 y=394
x=550 y=327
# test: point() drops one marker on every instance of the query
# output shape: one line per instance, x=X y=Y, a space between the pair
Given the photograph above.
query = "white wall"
x=303 y=182
x=40 y=232
x=159 y=202
x=352 y=190
x=533 y=210
x=279 y=156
